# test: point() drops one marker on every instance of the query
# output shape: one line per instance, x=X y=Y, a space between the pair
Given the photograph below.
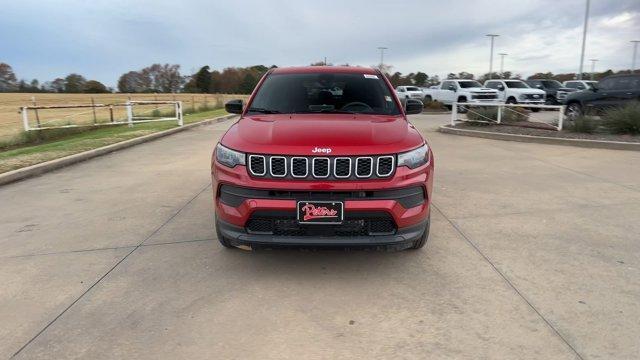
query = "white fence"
x=502 y=108
x=132 y=117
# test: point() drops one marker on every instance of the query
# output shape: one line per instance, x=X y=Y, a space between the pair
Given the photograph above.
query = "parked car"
x=612 y=91
x=579 y=84
x=303 y=166
x=555 y=92
x=409 y=92
x=462 y=91
x=514 y=91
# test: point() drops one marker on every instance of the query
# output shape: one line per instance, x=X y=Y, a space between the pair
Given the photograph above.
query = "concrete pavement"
x=533 y=253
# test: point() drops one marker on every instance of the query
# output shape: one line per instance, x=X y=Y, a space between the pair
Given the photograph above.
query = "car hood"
x=300 y=134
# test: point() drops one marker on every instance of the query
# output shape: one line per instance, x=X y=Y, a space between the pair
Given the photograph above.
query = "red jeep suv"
x=323 y=156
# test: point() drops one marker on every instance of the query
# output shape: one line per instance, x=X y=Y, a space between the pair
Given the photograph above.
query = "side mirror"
x=500 y=88
x=234 y=106
x=413 y=106
x=452 y=88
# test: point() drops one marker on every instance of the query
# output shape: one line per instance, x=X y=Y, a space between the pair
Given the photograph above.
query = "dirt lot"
x=533 y=254
x=10 y=103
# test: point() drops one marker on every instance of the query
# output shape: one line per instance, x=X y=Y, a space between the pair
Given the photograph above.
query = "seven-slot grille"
x=330 y=168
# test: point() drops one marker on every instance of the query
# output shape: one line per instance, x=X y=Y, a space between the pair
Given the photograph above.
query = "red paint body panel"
x=346 y=134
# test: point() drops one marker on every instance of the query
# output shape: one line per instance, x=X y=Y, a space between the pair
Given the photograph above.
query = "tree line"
x=72 y=83
x=166 y=78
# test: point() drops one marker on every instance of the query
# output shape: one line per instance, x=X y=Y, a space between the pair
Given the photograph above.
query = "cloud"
x=103 y=39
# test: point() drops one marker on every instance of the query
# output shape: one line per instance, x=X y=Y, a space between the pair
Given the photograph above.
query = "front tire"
x=461 y=108
x=574 y=110
x=422 y=240
x=512 y=100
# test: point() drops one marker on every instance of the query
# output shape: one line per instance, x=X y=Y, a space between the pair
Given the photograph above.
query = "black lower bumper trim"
x=402 y=239
x=407 y=197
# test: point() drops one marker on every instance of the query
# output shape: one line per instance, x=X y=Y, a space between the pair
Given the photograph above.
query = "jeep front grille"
x=330 y=168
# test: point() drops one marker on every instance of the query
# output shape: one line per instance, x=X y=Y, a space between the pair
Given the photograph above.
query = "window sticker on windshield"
x=369 y=76
x=388 y=98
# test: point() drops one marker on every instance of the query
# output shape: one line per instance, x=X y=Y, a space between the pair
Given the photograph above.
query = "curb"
x=597 y=144
x=47 y=166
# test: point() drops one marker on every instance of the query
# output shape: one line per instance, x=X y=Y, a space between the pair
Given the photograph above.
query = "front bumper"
x=532 y=102
x=402 y=239
x=404 y=199
x=484 y=101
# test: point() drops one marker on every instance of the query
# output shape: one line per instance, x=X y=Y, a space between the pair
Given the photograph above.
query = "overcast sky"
x=102 y=39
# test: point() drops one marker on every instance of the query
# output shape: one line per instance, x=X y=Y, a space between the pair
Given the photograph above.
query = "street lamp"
x=593 y=67
x=502 y=55
x=492 y=36
x=635 y=51
x=584 y=38
x=382 y=49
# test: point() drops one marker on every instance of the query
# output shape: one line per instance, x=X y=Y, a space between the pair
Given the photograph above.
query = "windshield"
x=551 y=84
x=324 y=92
x=469 y=84
x=411 y=88
x=516 y=85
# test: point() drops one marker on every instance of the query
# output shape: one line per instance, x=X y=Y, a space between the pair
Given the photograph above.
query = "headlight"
x=414 y=158
x=229 y=157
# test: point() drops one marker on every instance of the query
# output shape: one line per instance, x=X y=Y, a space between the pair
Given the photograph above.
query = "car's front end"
x=481 y=95
x=531 y=97
x=323 y=179
x=263 y=202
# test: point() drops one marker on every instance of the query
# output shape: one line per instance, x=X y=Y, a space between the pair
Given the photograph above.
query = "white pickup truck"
x=409 y=92
x=460 y=90
x=515 y=91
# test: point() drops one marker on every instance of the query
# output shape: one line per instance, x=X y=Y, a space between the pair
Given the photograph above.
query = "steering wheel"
x=362 y=105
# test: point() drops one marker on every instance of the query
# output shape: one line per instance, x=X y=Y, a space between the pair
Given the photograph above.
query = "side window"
x=622 y=83
x=400 y=89
x=606 y=84
x=499 y=85
x=492 y=85
x=571 y=85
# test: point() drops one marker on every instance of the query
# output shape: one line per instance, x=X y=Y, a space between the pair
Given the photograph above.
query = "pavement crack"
x=504 y=277
x=179 y=242
x=111 y=269
x=66 y=252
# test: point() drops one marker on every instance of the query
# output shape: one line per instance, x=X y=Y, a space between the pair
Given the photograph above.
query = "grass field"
x=74 y=143
x=11 y=119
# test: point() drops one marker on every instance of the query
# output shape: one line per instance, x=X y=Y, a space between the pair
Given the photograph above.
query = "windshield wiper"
x=325 y=111
x=263 y=111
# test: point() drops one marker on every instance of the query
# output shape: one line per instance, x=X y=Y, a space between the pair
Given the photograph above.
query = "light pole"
x=593 y=67
x=584 y=38
x=502 y=55
x=635 y=51
x=492 y=36
x=382 y=49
